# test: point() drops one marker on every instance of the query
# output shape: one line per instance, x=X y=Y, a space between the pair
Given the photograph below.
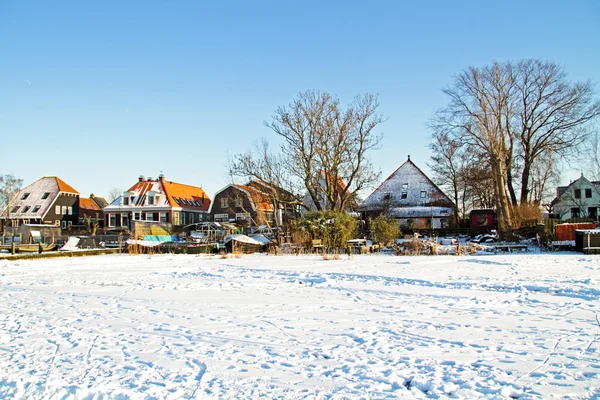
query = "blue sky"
x=101 y=92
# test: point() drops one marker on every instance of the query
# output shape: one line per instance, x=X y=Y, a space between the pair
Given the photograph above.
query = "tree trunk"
x=503 y=204
x=525 y=181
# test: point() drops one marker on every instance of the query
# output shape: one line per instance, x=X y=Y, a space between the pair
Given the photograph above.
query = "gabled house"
x=246 y=205
x=412 y=198
x=322 y=198
x=580 y=199
x=49 y=200
x=158 y=200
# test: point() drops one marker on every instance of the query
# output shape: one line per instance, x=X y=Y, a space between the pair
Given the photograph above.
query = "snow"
x=373 y=326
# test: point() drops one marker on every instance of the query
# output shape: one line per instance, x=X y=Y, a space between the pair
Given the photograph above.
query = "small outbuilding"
x=587 y=241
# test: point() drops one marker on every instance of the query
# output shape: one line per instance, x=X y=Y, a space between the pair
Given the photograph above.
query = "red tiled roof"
x=88 y=204
x=64 y=187
x=194 y=197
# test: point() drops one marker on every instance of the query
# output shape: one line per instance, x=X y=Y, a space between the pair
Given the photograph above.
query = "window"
x=577 y=193
x=64 y=225
x=15 y=209
x=191 y=218
x=57 y=210
x=423 y=194
x=575 y=213
x=125 y=201
x=183 y=202
x=112 y=220
x=69 y=223
x=163 y=217
x=150 y=200
x=45 y=195
x=25 y=196
x=36 y=209
x=242 y=216
x=64 y=210
x=150 y=216
x=224 y=203
x=125 y=219
x=25 y=209
x=176 y=221
x=404 y=194
x=238 y=202
x=588 y=193
x=593 y=213
x=57 y=222
x=70 y=210
x=182 y=218
x=176 y=201
x=221 y=217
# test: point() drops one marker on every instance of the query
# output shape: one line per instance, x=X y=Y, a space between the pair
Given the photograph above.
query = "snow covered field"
x=374 y=326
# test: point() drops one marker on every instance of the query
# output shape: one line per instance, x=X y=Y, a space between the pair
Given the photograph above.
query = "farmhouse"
x=412 y=198
x=49 y=200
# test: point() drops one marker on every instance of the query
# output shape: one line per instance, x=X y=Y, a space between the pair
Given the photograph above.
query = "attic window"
x=588 y=193
x=45 y=195
x=25 y=196
x=15 y=209
x=125 y=201
x=404 y=194
x=176 y=201
x=150 y=200
x=36 y=209
x=183 y=202
x=423 y=194
x=25 y=209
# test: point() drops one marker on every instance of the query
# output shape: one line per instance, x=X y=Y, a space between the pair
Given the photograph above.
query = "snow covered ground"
x=373 y=326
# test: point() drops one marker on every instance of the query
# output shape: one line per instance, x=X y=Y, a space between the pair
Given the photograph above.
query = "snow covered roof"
x=407 y=186
x=242 y=239
x=419 y=212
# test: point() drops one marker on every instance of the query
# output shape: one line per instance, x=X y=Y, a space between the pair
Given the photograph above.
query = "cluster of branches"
x=503 y=130
x=9 y=187
x=324 y=151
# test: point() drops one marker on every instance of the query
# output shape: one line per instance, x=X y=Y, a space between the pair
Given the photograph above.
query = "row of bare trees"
x=505 y=126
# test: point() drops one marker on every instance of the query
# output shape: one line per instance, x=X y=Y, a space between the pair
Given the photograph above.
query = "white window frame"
x=70 y=210
x=125 y=201
x=242 y=217
x=162 y=217
x=423 y=194
x=112 y=223
x=57 y=210
x=182 y=218
x=221 y=217
x=57 y=222
x=151 y=200
x=63 y=225
x=224 y=202
x=64 y=210
x=176 y=218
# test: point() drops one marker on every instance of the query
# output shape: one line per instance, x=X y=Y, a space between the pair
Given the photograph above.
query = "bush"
x=384 y=230
x=525 y=215
x=335 y=228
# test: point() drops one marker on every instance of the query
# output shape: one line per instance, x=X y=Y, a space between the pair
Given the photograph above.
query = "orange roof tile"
x=64 y=187
x=88 y=204
x=261 y=200
x=180 y=191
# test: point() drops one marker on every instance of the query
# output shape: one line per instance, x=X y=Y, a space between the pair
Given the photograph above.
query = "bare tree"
x=114 y=193
x=551 y=115
x=326 y=144
x=9 y=187
x=478 y=113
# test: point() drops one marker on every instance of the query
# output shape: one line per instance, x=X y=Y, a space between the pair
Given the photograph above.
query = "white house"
x=581 y=199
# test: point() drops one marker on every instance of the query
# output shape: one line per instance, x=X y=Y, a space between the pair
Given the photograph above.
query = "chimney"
x=149 y=179
x=202 y=197
x=409 y=157
x=141 y=178
x=161 y=177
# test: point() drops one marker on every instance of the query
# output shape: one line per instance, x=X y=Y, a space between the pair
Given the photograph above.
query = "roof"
x=63 y=186
x=199 y=198
x=166 y=194
x=410 y=179
x=40 y=195
x=88 y=204
x=260 y=200
x=100 y=201
x=420 y=212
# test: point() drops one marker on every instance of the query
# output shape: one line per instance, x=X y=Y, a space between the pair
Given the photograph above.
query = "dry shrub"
x=223 y=255
x=525 y=215
x=415 y=247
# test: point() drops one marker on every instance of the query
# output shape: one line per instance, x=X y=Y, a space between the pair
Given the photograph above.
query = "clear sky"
x=101 y=92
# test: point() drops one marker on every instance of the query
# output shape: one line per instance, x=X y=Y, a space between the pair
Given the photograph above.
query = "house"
x=158 y=200
x=92 y=208
x=412 y=198
x=248 y=205
x=580 y=199
x=49 y=200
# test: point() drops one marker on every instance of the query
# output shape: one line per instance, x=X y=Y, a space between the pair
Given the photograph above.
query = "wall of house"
x=234 y=211
x=64 y=218
x=586 y=205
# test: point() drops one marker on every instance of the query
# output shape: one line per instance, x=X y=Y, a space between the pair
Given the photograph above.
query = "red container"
x=567 y=231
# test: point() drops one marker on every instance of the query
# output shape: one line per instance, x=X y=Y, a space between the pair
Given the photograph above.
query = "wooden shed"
x=587 y=241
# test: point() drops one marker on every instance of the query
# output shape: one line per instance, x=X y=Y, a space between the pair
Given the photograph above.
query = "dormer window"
x=151 y=200
x=36 y=209
x=125 y=201
x=45 y=195
x=183 y=202
x=25 y=196
x=15 y=209
x=176 y=201
x=25 y=209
